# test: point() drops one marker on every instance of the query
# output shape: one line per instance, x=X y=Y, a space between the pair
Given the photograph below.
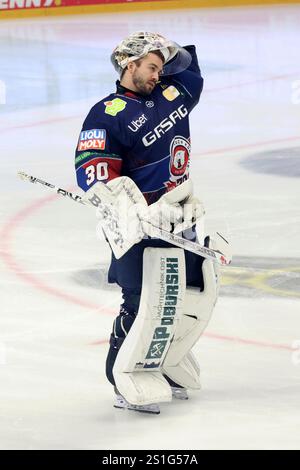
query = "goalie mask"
x=139 y=44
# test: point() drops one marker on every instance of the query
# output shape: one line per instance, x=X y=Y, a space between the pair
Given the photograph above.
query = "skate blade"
x=179 y=393
x=148 y=409
x=149 y=412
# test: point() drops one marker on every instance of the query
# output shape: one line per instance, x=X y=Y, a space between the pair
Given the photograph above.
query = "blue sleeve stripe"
x=149 y=164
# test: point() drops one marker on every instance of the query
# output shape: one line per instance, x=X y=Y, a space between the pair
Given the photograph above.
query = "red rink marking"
x=232 y=339
x=249 y=146
x=249 y=342
x=208 y=90
x=9 y=229
x=6 y=253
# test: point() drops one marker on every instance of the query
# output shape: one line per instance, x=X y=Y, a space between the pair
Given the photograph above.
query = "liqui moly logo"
x=92 y=139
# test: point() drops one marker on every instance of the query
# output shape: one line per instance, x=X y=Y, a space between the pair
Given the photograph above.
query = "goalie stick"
x=215 y=255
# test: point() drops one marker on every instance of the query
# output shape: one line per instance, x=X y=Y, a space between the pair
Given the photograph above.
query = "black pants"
x=121 y=327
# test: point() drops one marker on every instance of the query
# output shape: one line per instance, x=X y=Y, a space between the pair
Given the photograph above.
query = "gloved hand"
x=175 y=211
x=117 y=204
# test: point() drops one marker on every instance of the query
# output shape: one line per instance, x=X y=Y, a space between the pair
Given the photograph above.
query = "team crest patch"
x=92 y=139
x=171 y=93
x=114 y=106
x=180 y=153
x=180 y=149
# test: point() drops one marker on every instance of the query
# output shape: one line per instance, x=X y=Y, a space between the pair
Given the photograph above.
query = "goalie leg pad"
x=180 y=365
x=137 y=369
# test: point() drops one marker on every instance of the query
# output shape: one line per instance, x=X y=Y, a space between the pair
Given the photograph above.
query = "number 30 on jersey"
x=97 y=172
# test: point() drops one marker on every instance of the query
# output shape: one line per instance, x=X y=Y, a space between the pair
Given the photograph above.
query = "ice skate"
x=179 y=393
x=120 y=402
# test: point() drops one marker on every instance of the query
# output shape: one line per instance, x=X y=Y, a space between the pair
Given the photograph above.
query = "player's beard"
x=143 y=86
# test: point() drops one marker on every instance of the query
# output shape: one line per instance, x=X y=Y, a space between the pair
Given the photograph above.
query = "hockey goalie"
x=137 y=142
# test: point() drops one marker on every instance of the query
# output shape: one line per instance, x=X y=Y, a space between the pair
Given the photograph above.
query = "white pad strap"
x=198 y=307
x=186 y=373
x=137 y=370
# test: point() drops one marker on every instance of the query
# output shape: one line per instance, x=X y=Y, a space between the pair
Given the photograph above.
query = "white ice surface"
x=53 y=390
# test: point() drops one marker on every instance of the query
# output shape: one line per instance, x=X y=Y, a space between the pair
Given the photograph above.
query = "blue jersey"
x=146 y=138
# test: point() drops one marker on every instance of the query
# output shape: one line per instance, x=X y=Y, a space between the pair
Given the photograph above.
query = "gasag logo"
x=92 y=139
x=165 y=125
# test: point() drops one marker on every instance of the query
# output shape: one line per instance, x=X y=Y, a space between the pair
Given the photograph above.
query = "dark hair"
x=139 y=61
x=159 y=54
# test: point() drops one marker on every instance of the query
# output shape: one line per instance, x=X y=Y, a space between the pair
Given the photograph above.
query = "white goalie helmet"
x=140 y=43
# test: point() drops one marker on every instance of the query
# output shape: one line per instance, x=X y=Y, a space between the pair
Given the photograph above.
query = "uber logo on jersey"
x=137 y=123
x=165 y=125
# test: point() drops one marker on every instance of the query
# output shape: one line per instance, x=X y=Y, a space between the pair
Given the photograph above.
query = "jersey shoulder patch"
x=116 y=106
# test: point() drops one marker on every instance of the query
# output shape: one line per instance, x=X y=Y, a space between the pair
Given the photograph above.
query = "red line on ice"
x=209 y=90
x=6 y=238
x=232 y=339
x=6 y=253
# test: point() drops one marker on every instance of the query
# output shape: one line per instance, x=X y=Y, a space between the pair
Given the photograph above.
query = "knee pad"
x=180 y=364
